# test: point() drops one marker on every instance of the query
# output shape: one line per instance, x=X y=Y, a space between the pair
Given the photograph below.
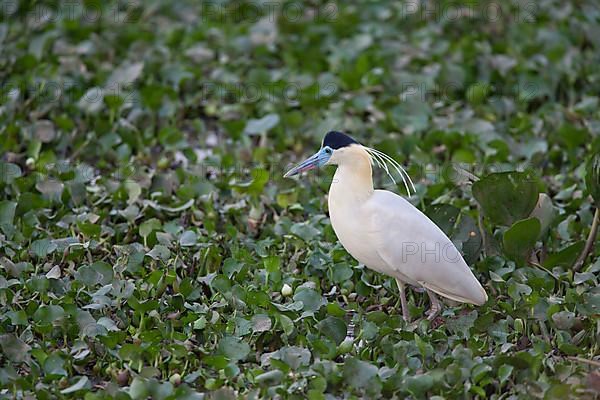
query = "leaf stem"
x=585 y=361
x=589 y=244
x=484 y=243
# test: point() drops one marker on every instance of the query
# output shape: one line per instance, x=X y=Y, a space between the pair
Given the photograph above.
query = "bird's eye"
x=328 y=150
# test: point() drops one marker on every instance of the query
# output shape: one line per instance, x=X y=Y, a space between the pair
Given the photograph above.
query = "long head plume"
x=382 y=160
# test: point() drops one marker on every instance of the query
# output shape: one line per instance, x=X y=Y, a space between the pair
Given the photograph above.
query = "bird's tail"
x=477 y=297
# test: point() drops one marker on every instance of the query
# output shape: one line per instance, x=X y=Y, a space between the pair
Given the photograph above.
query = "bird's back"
x=416 y=250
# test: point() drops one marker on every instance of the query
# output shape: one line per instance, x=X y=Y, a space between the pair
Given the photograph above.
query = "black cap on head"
x=337 y=140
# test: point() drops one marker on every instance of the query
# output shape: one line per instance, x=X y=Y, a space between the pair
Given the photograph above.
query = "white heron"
x=385 y=232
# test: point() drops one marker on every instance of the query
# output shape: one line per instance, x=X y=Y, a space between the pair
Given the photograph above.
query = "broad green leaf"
x=445 y=217
x=564 y=319
x=504 y=372
x=148 y=226
x=256 y=185
x=341 y=273
x=261 y=323
x=108 y=323
x=42 y=248
x=231 y=267
x=51 y=188
x=54 y=366
x=462 y=324
x=7 y=212
x=592 y=178
x=14 y=348
x=270 y=378
x=54 y=273
x=418 y=385
x=89 y=229
x=294 y=356
x=520 y=238
x=82 y=383
x=200 y=323
x=507 y=197
x=411 y=116
x=188 y=238
x=233 y=348
x=572 y=136
x=335 y=310
x=160 y=252
x=221 y=283
x=9 y=172
x=18 y=317
x=48 y=314
x=139 y=389
x=565 y=257
x=44 y=131
x=124 y=75
x=333 y=328
x=358 y=373
x=286 y=324
x=134 y=190
x=305 y=230
x=262 y=125
x=310 y=299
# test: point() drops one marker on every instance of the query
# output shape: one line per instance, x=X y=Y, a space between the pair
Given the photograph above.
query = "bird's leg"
x=403 y=304
x=436 y=306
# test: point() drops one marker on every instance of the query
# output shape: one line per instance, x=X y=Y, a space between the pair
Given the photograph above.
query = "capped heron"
x=385 y=232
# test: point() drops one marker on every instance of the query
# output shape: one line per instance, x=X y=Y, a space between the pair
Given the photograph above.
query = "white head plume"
x=381 y=159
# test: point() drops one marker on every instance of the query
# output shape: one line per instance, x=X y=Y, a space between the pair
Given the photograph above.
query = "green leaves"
x=520 y=238
x=564 y=319
x=507 y=197
x=147 y=227
x=419 y=385
x=48 y=314
x=411 y=116
x=255 y=186
x=333 y=328
x=271 y=378
x=311 y=300
x=54 y=366
x=9 y=172
x=81 y=384
x=160 y=252
x=592 y=178
x=341 y=273
x=572 y=136
x=262 y=125
x=305 y=230
x=94 y=274
x=357 y=373
x=188 y=238
x=43 y=247
x=7 y=212
x=14 y=348
x=459 y=227
x=261 y=323
x=148 y=239
x=233 y=348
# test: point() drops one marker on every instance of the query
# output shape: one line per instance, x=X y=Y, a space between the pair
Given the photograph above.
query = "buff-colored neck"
x=353 y=179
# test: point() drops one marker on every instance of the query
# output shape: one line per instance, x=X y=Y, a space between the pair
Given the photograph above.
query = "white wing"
x=416 y=250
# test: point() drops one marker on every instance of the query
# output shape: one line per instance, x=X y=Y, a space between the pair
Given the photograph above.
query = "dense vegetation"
x=149 y=245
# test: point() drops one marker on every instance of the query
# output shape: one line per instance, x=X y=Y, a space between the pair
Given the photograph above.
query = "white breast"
x=349 y=219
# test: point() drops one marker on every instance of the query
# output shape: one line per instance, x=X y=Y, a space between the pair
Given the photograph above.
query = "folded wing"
x=417 y=251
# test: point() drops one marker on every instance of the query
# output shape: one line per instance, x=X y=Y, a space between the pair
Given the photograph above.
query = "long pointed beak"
x=306 y=165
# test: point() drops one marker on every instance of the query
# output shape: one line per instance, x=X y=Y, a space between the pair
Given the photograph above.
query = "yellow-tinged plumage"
x=388 y=234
